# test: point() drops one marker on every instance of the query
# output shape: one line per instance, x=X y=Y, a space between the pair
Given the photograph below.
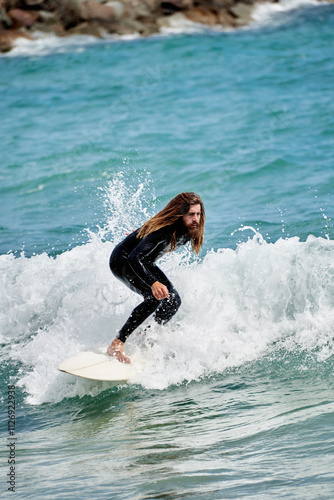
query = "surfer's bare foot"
x=116 y=349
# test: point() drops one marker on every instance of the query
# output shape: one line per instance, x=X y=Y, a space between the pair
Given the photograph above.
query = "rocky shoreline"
x=27 y=18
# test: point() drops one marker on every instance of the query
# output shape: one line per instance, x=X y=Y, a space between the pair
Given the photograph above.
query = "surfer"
x=133 y=262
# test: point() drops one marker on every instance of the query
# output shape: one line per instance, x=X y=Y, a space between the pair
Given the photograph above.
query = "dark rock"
x=129 y=26
x=47 y=18
x=10 y=4
x=5 y=20
x=202 y=15
x=142 y=9
x=53 y=28
x=226 y=20
x=242 y=12
x=22 y=18
x=31 y=3
x=70 y=13
x=91 y=29
x=171 y=6
x=118 y=8
x=94 y=11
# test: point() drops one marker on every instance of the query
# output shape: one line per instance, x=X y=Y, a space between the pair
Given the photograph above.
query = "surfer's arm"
x=148 y=250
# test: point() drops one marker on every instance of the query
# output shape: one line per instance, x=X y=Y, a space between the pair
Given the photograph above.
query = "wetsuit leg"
x=165 y=309
x=138 y=316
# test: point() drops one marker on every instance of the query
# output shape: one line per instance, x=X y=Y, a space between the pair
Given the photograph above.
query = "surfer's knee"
x=168 y=308
x=176 y=300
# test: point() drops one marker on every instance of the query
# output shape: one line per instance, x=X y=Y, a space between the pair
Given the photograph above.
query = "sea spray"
x=127 y=204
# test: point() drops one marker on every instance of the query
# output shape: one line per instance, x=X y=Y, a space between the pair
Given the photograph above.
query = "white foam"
x=44 y=44
x=266 y=13
x=178 y=23
x=236 y=304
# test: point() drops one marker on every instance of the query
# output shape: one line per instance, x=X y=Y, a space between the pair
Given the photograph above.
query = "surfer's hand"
x=159 y=290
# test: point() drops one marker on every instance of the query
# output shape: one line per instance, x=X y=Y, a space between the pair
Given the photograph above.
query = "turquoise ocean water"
x=236 y=398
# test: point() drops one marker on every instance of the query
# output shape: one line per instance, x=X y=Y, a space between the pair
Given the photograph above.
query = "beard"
x=192 y=231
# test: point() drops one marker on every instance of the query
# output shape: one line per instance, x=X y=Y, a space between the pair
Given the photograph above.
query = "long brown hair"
x=171 y=214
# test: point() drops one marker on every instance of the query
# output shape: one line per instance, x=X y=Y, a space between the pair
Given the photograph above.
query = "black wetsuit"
x=133 y=262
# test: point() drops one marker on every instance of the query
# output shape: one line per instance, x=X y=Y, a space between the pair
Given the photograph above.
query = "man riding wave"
x=133 y=262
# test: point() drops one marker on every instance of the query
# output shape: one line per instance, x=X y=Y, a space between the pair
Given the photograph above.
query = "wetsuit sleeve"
x=146 y=252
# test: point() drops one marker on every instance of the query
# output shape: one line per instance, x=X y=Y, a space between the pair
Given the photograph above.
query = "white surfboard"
x=98 y=365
